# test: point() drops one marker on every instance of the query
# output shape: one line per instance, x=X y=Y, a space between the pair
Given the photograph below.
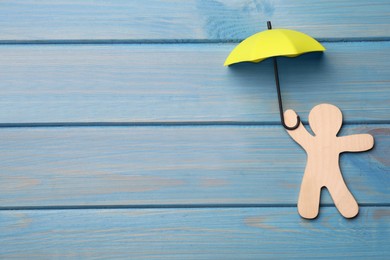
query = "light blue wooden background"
x=123 y=136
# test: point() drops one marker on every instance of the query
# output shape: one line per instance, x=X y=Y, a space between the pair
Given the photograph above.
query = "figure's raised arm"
x=300 y=135
x=356 y=143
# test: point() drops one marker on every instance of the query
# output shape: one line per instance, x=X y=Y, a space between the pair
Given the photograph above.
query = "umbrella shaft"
x=280 y=99
x=278 y=89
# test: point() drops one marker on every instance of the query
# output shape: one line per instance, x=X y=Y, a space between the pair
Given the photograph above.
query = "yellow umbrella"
x=273 y=43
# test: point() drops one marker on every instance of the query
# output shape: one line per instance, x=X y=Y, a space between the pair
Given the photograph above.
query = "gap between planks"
x=169 y=124
x=174 y=206
x=171 y=41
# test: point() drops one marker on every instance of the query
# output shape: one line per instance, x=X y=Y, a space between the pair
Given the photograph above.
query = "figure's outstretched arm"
x=356 y=143
x=300 y=135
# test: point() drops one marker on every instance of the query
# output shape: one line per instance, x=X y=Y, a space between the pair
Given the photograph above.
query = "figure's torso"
x=323 y=159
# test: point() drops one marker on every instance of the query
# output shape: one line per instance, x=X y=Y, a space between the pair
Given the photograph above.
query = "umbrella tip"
x=269 y=25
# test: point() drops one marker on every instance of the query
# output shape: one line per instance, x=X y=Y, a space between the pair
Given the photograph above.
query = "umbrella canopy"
x=273 y=43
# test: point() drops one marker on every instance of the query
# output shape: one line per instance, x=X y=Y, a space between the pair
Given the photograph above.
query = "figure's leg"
x=342 y=197
x=309 y=198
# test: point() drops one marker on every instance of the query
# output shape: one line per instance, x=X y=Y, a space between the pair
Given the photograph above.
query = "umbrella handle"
x=280 y=100
x=294 y=127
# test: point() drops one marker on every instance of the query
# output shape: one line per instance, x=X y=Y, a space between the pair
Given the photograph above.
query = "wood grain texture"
x=187 y=82
x=173 y=165
x=193 y=19
x=239 y=233
x=205 y=187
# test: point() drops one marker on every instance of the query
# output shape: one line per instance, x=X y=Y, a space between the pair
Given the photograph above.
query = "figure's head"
x=325 y=118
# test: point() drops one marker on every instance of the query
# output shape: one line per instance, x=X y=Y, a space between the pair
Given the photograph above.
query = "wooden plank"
x=143 y=83
x=173 y=165
x=170 y=19
x=225 y=233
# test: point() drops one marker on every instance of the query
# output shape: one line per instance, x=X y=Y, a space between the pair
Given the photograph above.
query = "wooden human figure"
x=323 y=150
